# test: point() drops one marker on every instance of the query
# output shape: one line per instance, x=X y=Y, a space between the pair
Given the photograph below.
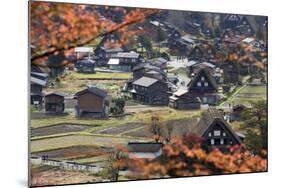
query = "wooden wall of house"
x=225 y=134
x=90 y=102
x=54 y=99
x=36 y=88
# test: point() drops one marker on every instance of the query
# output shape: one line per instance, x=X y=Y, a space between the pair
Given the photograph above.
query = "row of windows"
x=219 y=141
x=216 y=133
x=205 y=84
x=140 y=88
x=129 y=60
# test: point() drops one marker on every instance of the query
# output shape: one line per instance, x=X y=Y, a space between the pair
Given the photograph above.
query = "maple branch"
x=69 y=47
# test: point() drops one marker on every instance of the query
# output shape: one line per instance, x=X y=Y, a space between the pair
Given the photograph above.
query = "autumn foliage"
x=59 y=27
x=184 y=159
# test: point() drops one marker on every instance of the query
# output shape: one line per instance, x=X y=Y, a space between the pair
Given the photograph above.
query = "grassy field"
x=75 y=140
x=257 y=90
x=100 y=75
x=246 y=95
x=99 y=123
x=74 y=82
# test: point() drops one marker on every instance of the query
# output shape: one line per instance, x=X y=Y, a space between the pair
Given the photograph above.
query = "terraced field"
x=247 y=94
x=59 y=142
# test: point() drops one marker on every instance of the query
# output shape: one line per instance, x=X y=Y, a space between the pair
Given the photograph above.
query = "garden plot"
x=179 y=128
x=120 y=129
x=76 y=152
x=57 y=129
x=46 y=175
x=47 y=144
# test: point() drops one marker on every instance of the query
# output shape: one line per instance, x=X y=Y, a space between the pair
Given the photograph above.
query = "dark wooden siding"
x=90 y=102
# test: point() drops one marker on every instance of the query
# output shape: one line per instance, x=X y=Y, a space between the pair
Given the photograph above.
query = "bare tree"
x=116 y=161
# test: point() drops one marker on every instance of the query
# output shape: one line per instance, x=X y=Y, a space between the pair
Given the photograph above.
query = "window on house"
x=225 y=141
x=199 y=84
x=206 y=84
x=212 y=141
x=217 y=133
x=217 y=141
x=210 y=134
x=224 y=134
x=202 y=78
x=205 y=99
x=222 y=141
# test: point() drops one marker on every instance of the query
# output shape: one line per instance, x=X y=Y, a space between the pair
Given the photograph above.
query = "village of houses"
x=80 y=113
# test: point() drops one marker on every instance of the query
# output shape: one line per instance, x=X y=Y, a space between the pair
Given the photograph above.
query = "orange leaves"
x=65 y=26
x=179 y=159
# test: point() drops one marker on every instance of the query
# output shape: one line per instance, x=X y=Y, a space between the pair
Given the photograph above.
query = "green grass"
x=75 y=140
x=254 y=90
x=74 y=82
x=180 y=71
x=42 y=122
x=100 y=75
x=246 y=95
x=98 y=123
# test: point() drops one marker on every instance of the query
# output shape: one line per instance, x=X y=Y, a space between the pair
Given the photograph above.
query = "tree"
x=187 y=158
x=119 y=105
x=115 y=162
x=59 y=27
x=255 y=123
x=146 y=43
x=157 y=128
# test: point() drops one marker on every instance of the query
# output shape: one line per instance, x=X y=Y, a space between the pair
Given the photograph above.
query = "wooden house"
x=86 y=66
x=149 y=150
x=182 y=45
x=149 y=70
x=110 y=38
x=84 y=52
x=159 y=62
x=204 y=86
x=181 y=99
x=216 y=131
x=231 y=21
x=36 y=87
x=92 y=102
x=230 y=72
x=192 y=28
x=196 y=54
x=124 y=61
x=175 y=34
x=105 y=53
x=54 y=102
x=39 y=75
x=239 y=25
x=245 y=28
x=237 y=111
x=204 y=65
x=150 y=91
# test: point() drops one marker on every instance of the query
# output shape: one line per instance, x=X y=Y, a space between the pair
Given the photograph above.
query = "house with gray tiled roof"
x=148 y=90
